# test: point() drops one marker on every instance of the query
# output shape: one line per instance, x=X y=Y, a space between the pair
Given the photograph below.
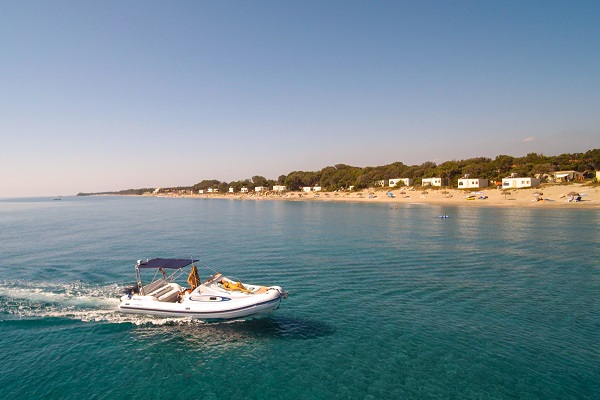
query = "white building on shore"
x=431 y=182
x=309 y=189
x=468 y=183
x=400 y=181
x=518 y=183
x=279 y=188
x=567 y=176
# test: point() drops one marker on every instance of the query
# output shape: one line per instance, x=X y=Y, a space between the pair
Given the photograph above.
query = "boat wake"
x=76 y=300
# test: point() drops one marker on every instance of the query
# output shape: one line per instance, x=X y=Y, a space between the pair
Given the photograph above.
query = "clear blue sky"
x=111 y=95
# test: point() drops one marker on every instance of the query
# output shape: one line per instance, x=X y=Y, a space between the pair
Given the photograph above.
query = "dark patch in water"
x=257 y=328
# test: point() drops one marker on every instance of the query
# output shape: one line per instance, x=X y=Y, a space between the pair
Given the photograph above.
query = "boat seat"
x=170 y=296
x=160 y=291
x=151 y=287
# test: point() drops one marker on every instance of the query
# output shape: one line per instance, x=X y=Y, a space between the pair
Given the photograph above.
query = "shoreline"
x=554 y=196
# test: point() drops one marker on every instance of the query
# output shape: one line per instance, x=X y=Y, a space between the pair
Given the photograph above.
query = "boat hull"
x=225 y=308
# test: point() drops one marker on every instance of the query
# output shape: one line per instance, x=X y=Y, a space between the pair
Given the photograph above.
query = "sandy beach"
x=551 y=196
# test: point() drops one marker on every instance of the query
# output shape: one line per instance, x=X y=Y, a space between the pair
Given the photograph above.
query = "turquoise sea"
x=491 y=303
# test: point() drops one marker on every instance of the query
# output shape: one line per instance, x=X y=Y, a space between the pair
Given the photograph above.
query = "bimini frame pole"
x=139 y=278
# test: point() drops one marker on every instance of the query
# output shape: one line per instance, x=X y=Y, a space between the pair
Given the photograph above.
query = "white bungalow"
x=306 y=189
x=598 y=175
x=230 y=190
x=260 y=189
x=400 y=181
x=468 y=183
x=244 y=190
x=316 y=189
x=517 y=183
x=201 y=191
x=211 y=190
x=432 y=182
x=566 y=176
x=380 y=183
x=279 y=188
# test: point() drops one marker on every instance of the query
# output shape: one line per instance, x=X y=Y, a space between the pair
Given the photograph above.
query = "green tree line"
x=343 y=177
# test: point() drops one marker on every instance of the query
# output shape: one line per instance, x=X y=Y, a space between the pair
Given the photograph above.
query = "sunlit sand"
x=546 y=196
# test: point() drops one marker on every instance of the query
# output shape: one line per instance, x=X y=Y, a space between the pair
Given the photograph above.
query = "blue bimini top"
x=173 y=263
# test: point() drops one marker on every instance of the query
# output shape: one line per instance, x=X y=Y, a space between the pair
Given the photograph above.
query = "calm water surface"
x=384 y=303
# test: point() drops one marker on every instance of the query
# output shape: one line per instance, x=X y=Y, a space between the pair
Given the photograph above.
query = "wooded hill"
x=341 y=176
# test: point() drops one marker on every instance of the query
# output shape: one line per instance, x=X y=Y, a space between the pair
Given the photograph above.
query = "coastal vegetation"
x=129 y=192
x=345 y=177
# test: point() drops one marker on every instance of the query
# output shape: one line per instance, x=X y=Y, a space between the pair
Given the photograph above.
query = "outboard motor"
x=131 y=290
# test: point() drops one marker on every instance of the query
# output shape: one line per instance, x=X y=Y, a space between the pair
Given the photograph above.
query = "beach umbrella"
x=425 y=192
x=538 y=194
x=573 y=194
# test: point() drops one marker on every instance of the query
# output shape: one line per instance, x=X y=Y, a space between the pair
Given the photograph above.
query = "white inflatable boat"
x=217 y=298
